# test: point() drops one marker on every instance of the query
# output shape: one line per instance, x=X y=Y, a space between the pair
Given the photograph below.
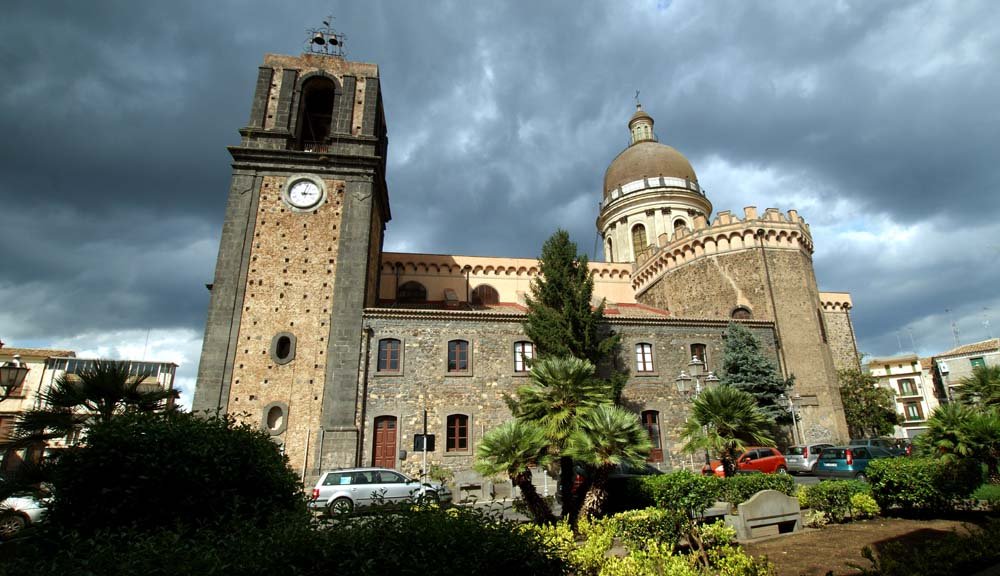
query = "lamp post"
x=12 y=375
x=795 y=417
x=684 y=380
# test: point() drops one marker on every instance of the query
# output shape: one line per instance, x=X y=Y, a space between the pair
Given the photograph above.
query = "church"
x=344 y=352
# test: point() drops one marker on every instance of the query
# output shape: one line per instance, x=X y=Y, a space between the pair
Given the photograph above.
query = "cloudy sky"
x=878 y=121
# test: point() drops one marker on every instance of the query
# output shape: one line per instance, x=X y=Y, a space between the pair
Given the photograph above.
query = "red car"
x=766 y=460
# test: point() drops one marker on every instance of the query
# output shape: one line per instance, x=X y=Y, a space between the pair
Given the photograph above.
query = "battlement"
x=727 y=233
x=836 y=301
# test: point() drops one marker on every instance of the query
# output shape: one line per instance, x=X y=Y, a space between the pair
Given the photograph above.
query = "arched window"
x=485 y=294
x=315 y=113
x=457 y=433
x=458 y=356
x=651 y=422
x=741 y=313
x=523 y=353
x=678 y=224
x=411 y=292
x=639 y=246
x=643 y=357
x=389 y=355
x=609 y=255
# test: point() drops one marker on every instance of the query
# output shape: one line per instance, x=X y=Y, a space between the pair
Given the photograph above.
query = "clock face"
x=304 y=194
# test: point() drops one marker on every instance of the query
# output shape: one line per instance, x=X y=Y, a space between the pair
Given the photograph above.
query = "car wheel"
x=861 y=476
x=341 y=506
x=11 y=525
x=781 y=470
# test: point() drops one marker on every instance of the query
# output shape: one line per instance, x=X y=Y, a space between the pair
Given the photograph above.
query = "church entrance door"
x=384 y=454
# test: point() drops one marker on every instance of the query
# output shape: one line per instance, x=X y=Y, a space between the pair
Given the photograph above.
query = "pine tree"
x=561 y=319
x=746 y=368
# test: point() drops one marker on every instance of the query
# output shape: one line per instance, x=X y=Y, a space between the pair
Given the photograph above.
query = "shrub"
x=740 y=488
x=990 y=494
x=716 y=534
x=941 y=556
x=834 y=497
x=636 y=528
x=590 y=556
x=681 y=490
x=655 y=560
x=733 y=561
x=864 y=506
x=922 y=483
x=152 y=471
x=815 y=519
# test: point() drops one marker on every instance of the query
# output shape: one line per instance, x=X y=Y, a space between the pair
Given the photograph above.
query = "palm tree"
x=945 y=436
x=982 y=388
x=725 y=420
x=511 y=449
x=605 y=437
x=561 y=389
x=982 y=433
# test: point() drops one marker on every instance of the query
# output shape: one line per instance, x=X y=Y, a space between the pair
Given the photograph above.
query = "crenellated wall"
x=840 y=330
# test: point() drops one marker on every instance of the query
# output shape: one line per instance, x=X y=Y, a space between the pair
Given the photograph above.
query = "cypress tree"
x=746 y=368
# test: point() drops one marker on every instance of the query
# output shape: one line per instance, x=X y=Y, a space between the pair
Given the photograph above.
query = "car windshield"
x=860 y=442
x=833 y=454
x=795 y=451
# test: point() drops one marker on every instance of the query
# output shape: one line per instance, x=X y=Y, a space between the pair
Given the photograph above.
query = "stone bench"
x=766 y=513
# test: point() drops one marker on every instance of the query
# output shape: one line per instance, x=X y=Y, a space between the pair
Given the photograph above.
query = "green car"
x=848 y=461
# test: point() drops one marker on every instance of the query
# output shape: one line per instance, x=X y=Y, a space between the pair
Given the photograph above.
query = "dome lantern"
x=641 y=126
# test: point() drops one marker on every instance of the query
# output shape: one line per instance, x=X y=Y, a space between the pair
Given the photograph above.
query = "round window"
x=283 y=347
x=275 y=418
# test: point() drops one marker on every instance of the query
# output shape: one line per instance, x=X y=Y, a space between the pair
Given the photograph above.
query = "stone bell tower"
x=298 y=259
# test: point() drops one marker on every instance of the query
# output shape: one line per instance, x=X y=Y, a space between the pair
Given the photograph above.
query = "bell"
x=333 y=41
x=318 y=39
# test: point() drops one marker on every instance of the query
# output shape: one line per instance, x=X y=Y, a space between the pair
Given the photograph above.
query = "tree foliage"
x=868 y=407
x=982 y=388
x=512 y=449
x=746 y=368
x=725 y=421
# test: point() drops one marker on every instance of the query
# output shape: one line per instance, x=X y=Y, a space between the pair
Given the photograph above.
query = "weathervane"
x=325 y=40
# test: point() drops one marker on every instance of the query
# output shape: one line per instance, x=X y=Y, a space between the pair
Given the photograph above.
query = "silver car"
x=17 y=513
x=341 y=491
x=803 y=459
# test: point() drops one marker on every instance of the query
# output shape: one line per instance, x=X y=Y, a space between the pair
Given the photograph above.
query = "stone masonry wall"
x=840 y=333
x=289 y=289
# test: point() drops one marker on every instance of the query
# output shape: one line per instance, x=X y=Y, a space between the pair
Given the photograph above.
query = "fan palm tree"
x=945 y=436
x=561 y=389
x=982 y=433
x=605 y=437
x=725 y=420
x=982 y=388
x=511 y=449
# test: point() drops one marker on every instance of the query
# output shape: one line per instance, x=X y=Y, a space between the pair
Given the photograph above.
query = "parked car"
x=617 y=479
x=341 y=491
x=848 y=461
x=755 y=459
x=17 y=513
x=802 y=459
x=891 y=444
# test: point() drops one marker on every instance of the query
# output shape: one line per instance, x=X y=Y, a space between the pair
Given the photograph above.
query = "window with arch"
x=741 y=313
x=315 y=112
x=411 y=292
x=485 y=294
x=458 y=356
x=651 y=422
x=698 y=351
x=389 y=355
x=643 y=357
x=678 y=224
x=609 y=255
x=457 y=433
x=523 y=353
x=639 y=245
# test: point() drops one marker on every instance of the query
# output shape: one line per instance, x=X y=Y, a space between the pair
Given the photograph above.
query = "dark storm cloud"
x=502 y=120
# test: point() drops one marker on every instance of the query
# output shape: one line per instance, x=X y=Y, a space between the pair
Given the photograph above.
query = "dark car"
x=897 y=447
x=848 y=461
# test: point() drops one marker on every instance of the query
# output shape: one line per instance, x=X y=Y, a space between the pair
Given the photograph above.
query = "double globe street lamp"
x=697 y=374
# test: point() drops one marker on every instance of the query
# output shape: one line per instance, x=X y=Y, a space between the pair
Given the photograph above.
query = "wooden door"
x=384 y=453
x=651 y=421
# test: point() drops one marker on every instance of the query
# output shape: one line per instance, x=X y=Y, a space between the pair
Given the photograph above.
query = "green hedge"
x=636 y=527
x=694 y=493
x=922 y=483
x=740 y=488
x=834 y=497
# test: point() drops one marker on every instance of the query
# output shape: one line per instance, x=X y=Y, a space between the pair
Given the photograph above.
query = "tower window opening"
x=283 y=347
x=741 y=313
x=639 y=246
x=485 y=294
x=316 y=113
x=609 y=254
x=678 y=225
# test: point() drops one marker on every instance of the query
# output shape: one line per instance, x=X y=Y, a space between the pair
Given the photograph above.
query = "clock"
x=304 y=192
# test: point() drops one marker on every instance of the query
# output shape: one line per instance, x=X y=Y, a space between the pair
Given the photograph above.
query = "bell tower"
x=299 y=255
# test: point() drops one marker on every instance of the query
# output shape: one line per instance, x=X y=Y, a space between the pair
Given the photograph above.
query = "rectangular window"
x=907 y=387
x=458 y=356
x=523 y=353
x=977 y=363
x=458 y=433
x=388 y=355
x=698 y=351
x=643 y=357
x=913 y=411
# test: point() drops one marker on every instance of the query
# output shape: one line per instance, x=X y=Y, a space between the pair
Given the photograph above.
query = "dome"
x=646 y=159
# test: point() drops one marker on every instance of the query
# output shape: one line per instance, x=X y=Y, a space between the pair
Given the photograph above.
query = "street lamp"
x=12 y=375
x=795 y=418
x=684 y=380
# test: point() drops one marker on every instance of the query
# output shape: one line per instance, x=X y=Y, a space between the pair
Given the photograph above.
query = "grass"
x=989 y=492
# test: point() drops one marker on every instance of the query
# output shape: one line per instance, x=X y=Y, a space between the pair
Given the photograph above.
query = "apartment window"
x=977 y=363
x=458 y=356
x=389 y=355
x=643 y=357
x=907 y=387
x=698 y=351
x=913 y=411
x=457 y=434
x=651 y=422
x=523 y=353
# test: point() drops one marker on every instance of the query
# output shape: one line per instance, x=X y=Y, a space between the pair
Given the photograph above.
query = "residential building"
x=912 y=385
x=959 y=362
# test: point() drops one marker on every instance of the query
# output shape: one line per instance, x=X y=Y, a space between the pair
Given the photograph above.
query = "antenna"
x=325 y=40
x=899 y=342
x=954 y=327
x=912 y=344
x=986 y=322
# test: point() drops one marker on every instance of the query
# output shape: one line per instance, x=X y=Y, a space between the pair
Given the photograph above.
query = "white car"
x=17 y=513
x=341 y=491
